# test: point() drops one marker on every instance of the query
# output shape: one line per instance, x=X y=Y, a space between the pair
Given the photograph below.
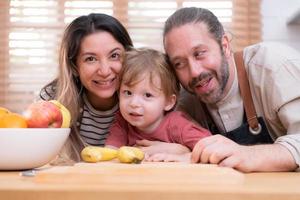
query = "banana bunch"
x=125 y=154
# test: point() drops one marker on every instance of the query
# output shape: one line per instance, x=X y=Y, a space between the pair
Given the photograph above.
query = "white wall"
x=275 y=14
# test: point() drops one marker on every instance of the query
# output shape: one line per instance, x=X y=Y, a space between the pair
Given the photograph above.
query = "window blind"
x=246 y=23
x=32 y=30
x=4 y=14
x=33 y=39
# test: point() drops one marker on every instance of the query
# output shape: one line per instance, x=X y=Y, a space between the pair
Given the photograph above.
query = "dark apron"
x=244 y=134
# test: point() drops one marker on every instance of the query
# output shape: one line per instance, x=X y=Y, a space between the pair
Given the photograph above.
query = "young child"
x=147 y=94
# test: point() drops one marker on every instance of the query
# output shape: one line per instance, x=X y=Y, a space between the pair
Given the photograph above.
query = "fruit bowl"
x=27 y=148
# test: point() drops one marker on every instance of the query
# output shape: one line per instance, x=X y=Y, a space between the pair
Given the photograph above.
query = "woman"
x=90 y=59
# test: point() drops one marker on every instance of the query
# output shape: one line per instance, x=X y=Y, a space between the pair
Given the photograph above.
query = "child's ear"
x=171 y=101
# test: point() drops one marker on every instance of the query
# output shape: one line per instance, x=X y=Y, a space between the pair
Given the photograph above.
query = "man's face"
x=200 y=64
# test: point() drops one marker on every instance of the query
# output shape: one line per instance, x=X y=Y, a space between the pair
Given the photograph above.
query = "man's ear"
x=171 y=101
x=226 y=46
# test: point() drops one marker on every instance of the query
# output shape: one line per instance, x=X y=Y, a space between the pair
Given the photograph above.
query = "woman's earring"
x=79 y=85
x=81 y=90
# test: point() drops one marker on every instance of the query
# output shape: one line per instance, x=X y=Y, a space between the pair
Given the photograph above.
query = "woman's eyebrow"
x=117 y=48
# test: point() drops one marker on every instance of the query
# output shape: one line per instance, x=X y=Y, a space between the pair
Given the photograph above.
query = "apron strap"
x=252 y=120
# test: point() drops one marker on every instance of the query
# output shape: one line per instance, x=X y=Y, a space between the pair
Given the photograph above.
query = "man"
x=200 y=53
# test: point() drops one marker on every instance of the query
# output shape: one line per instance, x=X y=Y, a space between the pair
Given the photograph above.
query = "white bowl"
x=27 y=148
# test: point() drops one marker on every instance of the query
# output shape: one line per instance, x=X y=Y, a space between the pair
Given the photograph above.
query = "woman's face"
x=99 y=62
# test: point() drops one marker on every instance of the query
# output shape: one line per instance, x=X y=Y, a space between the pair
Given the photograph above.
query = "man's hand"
x=220 y=150
x=154 y=147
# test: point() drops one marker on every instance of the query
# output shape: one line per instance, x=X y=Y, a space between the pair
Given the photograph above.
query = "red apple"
x=43 y=114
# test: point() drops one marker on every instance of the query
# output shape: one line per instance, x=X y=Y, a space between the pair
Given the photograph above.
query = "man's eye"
x=178 y=65
x=199 y=54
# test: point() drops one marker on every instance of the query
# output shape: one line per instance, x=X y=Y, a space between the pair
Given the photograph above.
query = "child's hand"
x=154 y=147
x=166 y=157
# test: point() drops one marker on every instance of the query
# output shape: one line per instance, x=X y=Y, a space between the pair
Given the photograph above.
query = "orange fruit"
x=3 y=111
x=13 y=120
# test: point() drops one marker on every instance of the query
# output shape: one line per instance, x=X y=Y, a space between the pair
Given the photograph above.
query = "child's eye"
x=148 y=95
x=127 y=93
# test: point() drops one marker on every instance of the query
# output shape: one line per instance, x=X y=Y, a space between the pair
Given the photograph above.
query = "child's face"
x=143 y=105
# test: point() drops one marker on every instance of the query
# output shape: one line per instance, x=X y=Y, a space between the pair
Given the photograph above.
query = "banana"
x=65 y=113
x=128 y=154
x=96 y=154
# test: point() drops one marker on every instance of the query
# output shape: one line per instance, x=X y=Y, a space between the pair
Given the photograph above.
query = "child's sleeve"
x=117 y=135
x=187 y=132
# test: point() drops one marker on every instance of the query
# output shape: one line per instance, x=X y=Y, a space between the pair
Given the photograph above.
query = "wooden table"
x=153 y=181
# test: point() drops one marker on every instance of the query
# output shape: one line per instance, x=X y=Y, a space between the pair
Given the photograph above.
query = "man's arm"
x=273 y=77
x=289 y=115
x=220 y=150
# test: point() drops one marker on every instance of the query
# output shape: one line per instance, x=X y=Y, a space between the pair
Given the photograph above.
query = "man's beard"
x=215 y=95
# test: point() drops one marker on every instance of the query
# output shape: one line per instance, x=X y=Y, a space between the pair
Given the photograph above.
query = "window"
x=32 y=30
